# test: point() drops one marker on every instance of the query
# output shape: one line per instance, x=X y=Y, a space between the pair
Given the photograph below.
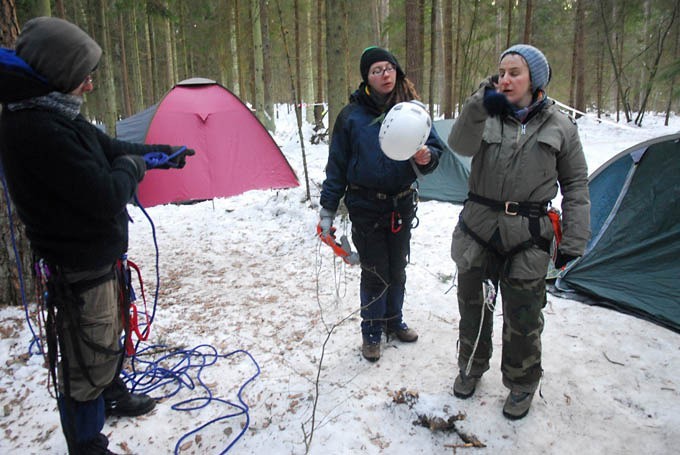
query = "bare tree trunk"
x=318 y=106
x=307 y=78
x=660 y=39
x=616 y=63
x=183 y=69
x=577 y=89
x=42 y=8
x=59 y=6
x=414 y=41
x=229 y=60
x=124 y=70
x=508 y=40
x=676 y=57
x=137 y=88
x=169 y=50
x=499 y=27
x=642 y=83
x=9 y=25
x=456 y=69
x=384 y=13
x=434 y=45
x=448 y=60
x=336 y=58
x=528 y=15
x=600 y=76
x=240 y=85
x=258 y=63
x=580 y=59
x=151 y=61
x=267 y=65
x=107 y=92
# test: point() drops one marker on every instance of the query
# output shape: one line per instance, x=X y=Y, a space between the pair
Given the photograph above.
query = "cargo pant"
x=86 y=370
x=523 y=301
x=384 y=256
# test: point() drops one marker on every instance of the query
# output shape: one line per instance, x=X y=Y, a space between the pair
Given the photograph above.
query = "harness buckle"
x=511 y=208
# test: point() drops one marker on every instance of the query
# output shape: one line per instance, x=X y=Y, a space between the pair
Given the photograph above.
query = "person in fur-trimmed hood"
x=70 y=184
x=522 y=148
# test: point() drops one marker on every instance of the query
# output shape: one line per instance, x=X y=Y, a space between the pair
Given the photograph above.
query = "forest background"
x=615 y=58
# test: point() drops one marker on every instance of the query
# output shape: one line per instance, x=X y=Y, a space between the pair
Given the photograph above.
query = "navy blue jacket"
x=355 y=158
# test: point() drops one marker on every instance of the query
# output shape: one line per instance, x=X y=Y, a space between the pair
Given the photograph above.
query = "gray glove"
x=326 y=222
x=133 y=164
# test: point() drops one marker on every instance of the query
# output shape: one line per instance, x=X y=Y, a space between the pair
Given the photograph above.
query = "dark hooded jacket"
x=355 y=157
x=68 y=182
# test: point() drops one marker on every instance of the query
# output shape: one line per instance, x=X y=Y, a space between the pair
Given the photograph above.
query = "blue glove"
x=326 y=221
x=496 y=103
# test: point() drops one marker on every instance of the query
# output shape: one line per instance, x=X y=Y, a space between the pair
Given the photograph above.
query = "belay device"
x=343 y=249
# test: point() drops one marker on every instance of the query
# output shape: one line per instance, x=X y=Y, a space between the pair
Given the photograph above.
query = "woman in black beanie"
x=378 y=194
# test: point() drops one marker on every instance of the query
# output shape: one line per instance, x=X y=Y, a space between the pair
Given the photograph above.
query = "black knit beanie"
x=377 y=54
x=59 y=51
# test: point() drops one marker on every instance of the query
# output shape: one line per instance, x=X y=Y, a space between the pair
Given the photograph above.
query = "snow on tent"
x=632 y=261
x=449 y=181
x=234 y=152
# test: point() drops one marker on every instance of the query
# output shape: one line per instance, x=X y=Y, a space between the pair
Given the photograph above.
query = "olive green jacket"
x=515 y=162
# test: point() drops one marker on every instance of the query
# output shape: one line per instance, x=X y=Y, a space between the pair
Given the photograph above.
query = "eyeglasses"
x=380 y=71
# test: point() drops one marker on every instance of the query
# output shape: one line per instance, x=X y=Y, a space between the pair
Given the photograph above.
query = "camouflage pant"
x=523 y=301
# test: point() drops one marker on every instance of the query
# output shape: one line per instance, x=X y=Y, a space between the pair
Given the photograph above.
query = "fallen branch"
x=612 y=361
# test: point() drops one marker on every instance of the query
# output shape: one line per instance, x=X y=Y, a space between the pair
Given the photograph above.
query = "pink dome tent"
x=234 y=152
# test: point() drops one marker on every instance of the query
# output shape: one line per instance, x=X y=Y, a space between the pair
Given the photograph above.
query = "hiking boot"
x=464 y=386
x=517 y=405
x=130 y=405
x=404 y=333
x=97 y=446
x=371 y=351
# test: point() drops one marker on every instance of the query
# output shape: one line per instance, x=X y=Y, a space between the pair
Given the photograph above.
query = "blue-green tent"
x=632 y=262
x=449 y=182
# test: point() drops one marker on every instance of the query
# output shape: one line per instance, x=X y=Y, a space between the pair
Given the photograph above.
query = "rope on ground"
x=155 y=374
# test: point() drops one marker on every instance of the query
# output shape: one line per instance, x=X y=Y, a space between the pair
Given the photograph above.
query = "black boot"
x=120 y=402
x=97 y=446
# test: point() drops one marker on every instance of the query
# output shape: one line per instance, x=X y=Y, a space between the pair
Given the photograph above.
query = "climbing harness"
x=341 y=249
x=395 y=218
x=531 y=210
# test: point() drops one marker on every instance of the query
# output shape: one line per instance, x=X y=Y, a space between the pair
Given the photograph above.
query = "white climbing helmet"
x=404 y=130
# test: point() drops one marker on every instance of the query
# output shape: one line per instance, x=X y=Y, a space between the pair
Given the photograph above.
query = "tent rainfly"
x=234 y=152
x=449 y=181
x=632 y=262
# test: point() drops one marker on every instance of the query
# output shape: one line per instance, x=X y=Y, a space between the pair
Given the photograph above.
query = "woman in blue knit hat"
x=378 y=193
x=523 y=148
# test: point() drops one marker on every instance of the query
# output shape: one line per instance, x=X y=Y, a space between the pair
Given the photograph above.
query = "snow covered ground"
x=247 y=276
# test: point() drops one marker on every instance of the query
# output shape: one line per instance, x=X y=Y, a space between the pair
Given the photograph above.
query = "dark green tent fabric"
x=633 y=259
x=449 y=182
